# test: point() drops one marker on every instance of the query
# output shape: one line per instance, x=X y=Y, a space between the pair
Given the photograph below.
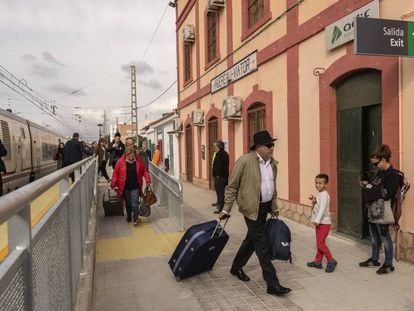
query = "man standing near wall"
x=220 y=173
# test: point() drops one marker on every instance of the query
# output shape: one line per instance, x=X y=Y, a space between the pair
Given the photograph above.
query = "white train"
x=30 y=149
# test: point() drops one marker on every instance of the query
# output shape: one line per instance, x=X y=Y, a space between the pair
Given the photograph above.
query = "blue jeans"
x=378 y=231
x=131 y=202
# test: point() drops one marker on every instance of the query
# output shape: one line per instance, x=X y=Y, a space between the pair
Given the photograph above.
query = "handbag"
x=149 y=196
x=387 y=217
x=376 y=209
x=144 y=209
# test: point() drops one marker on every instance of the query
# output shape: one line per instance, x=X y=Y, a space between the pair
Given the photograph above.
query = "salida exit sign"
x=376 y=36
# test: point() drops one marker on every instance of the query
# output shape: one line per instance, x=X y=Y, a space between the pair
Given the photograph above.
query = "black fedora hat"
x=262 y=138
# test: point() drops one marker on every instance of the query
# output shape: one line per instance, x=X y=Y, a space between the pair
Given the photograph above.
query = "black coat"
x=221 y=164
x=3 y=153
x=73 y=152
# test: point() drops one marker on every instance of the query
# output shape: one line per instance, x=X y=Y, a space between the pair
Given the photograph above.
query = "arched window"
x=256 y=121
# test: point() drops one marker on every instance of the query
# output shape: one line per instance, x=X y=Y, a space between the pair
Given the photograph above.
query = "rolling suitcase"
x=113 y=206
x=198 y=249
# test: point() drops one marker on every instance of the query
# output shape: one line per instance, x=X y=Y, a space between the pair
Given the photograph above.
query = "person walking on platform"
x=220 y=173
x=116 y=149
x=253 y=186
x=59 y=155
x=102 y=154
x=156 y=159
x=73 y=152
x=146 y=150
x=127 y=179
x=3 y=153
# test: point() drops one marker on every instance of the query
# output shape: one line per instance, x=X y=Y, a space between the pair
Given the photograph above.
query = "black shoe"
x=369 y=262
x=385 y=269
x=240 y=275
x=278 y=290
x=129 y=219
x=214 y=204
x=314 y=264
x=217 y=211
x=330 y=267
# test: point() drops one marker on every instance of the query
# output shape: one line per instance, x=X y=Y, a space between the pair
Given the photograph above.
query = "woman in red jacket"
x=127 y=179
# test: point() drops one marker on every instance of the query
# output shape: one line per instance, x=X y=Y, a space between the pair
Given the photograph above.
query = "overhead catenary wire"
x=118 y=71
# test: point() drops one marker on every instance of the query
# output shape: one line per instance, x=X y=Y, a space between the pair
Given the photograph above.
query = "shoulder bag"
x=149 y=196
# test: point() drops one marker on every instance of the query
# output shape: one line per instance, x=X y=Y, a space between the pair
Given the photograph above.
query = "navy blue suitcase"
x=198 y=249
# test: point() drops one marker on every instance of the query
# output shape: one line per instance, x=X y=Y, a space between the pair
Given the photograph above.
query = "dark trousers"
x=220 y=183
x=102 y=169
x=256 y=240
x=1 y=185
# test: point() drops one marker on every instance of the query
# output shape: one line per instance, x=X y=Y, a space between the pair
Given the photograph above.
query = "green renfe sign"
x=376 y=36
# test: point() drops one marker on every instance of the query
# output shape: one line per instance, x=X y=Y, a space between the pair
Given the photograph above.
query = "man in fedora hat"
x=253 y=186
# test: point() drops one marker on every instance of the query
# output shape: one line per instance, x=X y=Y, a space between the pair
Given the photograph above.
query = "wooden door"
x=212 y=137
x=189 y=152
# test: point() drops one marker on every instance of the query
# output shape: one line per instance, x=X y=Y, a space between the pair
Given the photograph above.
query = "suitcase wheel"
x=177 y=278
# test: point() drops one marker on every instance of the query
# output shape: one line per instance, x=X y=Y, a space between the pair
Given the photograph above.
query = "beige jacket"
x=245 y=186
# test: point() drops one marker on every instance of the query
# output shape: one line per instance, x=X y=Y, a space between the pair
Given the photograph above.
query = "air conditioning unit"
x=177 y=125
x=215 y=5
x=188 y=34
x=232 y=108
x=198 y=117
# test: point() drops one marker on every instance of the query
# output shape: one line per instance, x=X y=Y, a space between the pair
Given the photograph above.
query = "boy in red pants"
x=322 y=221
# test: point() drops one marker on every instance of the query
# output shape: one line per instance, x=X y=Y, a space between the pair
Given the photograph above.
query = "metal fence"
x=43 y=265
x=169 y=192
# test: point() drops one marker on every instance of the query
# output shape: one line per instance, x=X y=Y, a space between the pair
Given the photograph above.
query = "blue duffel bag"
x=279 y=237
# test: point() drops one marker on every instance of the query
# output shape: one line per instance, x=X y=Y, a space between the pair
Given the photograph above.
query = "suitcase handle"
x=218 y=225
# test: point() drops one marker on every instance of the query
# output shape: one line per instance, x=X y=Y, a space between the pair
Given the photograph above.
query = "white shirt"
x=320 y=211
x=267 y=184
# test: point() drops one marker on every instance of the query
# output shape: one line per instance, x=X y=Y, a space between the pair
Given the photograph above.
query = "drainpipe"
x=400 y=132
x=400 y=114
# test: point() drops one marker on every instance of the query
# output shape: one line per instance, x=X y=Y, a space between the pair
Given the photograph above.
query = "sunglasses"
x=271 y=145
x=375 y=164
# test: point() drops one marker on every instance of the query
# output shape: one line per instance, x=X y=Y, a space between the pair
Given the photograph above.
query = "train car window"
x=22 y=133
x=44 y=151
x=6 y=138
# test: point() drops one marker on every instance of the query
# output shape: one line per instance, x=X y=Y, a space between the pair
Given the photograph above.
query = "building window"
x=187 y=62
x=256 y=121
x=212 y=37
x=255 y=10
x=255 y=13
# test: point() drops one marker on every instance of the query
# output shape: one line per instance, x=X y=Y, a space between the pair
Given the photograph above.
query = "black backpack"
x=404 y=186
x=279 y=238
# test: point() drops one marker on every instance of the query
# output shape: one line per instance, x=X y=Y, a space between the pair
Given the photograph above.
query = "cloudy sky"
x=77 y=54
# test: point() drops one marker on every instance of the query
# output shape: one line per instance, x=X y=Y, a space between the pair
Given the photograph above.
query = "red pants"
x=322 y=232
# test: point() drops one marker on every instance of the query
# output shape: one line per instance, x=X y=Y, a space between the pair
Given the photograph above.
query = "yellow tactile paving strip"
x=38 y=208
x=143 y=242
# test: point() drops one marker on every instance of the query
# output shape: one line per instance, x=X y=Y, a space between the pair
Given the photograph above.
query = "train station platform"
x=131 y=271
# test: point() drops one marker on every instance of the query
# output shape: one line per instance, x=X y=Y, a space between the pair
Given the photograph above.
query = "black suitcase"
x=113 y=206
x=198 y=249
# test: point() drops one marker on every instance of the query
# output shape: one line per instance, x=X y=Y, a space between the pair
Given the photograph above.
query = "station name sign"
x=375 y=36
x=236 y=72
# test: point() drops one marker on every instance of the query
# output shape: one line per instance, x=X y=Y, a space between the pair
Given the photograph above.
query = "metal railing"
x=169 y=192
x=43 y=265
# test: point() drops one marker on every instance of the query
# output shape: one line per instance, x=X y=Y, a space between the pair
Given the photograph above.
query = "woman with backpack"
x=383 y=189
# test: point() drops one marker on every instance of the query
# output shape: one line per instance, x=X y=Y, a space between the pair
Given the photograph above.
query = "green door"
x=359 y=134
x=350 y=213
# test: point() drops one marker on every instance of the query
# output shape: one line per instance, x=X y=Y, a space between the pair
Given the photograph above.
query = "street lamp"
x=100 y=126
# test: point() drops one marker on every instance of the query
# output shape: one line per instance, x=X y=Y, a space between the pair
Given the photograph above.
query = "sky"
x=57 y=47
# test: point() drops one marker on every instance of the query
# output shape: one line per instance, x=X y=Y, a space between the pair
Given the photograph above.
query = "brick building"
x=289 y=67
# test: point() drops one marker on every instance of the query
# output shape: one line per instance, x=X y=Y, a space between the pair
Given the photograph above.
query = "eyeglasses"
x=271 y=145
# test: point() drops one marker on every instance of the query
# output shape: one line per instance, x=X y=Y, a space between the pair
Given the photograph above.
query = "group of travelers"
x=129 y=164
x=252 y=185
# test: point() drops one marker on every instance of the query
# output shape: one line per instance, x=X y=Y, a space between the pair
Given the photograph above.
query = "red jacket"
x=119 y=175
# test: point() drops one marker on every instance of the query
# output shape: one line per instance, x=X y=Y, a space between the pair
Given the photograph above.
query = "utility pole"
x=104 y=124
x=116 y=128
x=134 y=119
